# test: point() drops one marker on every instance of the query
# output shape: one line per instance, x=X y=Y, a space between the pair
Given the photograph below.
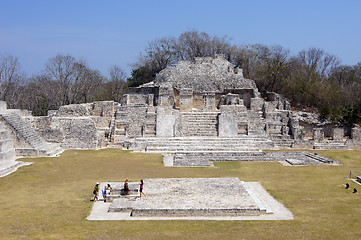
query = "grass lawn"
x=50 y=198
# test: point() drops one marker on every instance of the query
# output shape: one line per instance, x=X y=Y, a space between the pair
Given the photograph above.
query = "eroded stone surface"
x=192 y=197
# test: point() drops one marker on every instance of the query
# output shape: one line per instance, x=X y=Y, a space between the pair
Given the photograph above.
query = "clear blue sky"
x=115 y=32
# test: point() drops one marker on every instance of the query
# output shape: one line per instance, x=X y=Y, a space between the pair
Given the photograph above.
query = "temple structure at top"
x=208 y=97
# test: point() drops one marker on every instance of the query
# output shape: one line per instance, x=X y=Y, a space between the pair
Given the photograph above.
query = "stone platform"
x=194 y=199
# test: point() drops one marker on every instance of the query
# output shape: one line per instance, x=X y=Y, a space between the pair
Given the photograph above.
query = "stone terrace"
x=192 y=197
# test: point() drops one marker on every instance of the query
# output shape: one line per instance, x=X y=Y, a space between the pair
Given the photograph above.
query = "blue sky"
x=115 y=32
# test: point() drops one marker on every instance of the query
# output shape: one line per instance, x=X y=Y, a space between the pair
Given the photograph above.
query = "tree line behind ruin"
x=311 y=79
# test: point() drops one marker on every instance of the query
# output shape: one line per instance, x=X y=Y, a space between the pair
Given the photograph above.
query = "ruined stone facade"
x=205 y=105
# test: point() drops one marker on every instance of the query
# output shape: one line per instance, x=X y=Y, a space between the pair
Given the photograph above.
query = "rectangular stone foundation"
x=183 y=197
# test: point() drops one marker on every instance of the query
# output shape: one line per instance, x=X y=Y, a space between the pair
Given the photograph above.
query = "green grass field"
x=50 y=199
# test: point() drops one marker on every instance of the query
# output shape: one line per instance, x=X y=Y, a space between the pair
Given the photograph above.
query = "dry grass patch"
x=50 y=199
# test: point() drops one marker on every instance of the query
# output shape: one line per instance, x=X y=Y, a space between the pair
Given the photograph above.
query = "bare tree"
x=317 y=62
x=73 y=79
x=117 y=83
x=11 y=79
x=168 y=51
x=194 y=44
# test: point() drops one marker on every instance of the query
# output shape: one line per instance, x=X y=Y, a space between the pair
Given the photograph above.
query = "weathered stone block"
x=101 y=122
x=150 y=100
x=338 y=134
x=232 y=99
x=209 y=101
x=318 y=134
x=242 y=128
x=186 y=100
x=227 y=126
x=103 y=108
x=41 y=122
x=356 y=134
x=3 y=105
x=74 y=110
x=52 y=135
x=78 y=133
x=165 y=125
x=257 y=104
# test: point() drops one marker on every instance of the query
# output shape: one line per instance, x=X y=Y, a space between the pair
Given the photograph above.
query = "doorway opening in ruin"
x=176 y=98
x=244 y=94
x=197 y=100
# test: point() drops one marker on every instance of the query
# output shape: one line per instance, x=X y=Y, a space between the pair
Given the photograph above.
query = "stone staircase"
x=203 y=158
x=200 y=123
x=283 y=141
x=33 y=143
x=190 y=144
x=292 y=158
x=330 y=145
x=319 y=158
x=7 y=153
x=256 y=123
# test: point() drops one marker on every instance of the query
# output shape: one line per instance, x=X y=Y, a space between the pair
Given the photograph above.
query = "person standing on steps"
x=126 y=187
x=141 y=188
x=104 y=191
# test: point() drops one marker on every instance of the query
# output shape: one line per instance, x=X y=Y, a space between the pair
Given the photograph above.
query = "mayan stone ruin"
x=189 y=199
x=192 y=113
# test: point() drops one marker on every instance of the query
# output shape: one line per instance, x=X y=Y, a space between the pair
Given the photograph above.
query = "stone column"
x=318 y=134
x=150 y=99
x=3 y=105
x=257 y=104
x=227 y=121
x=338 y=134
x=165 y=122
x=186 y=100
x=126 y=99
x=163 y=99
x=356 y=134
x=296 y=129
x=232 y=99
x=209 y=101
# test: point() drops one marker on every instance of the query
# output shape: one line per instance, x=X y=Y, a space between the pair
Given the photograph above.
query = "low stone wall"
x=194 y=212
x=78 y=126
x=204 y=158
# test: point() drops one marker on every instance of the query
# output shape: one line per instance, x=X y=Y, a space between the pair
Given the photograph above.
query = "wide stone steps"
x=198 y=148
x=190 y=144
x=203 y=158
x=201 y=124
x=328 y=145
x=319 y=158
x=23 y=129
x=28 y=134
x=5 y=145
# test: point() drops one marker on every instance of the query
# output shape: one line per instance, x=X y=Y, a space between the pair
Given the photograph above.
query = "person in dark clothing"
x=95 y=192
x=141 y=188
x=126 y=187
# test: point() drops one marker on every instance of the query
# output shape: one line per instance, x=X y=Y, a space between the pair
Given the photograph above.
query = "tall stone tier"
x=27 y=141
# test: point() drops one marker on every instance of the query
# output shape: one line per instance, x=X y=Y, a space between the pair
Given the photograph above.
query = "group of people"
x=104 y=191
x=126 y=187
x=108 y=187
